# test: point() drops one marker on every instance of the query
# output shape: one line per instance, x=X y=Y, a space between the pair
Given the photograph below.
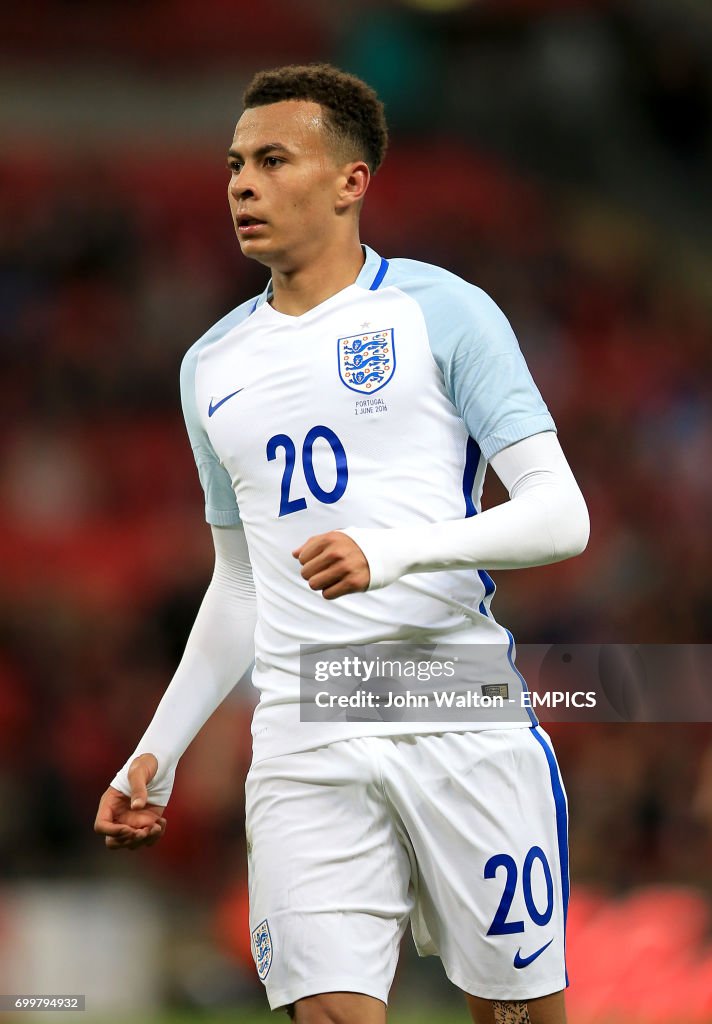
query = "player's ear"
x=354 y=182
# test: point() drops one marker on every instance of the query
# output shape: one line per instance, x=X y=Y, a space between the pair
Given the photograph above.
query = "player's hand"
x=334 y=564
x=131 y=822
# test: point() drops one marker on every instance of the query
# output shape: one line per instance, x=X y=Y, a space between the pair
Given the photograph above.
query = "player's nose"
x=242 y=187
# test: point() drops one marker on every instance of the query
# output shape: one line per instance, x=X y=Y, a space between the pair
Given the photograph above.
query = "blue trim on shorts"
x=561 y=826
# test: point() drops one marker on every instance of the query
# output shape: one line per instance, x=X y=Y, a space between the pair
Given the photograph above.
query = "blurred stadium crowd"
x=114 y=257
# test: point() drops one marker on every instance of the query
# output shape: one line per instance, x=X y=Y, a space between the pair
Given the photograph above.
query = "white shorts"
x=465 y=834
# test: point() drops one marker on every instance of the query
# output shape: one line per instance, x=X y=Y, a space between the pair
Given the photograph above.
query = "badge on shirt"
x=367 y=361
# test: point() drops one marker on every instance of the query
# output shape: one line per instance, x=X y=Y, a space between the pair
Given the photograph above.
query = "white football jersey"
x=379 y=407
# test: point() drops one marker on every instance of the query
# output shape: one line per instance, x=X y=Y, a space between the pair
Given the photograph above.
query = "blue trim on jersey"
x=376 y=283
x=488 y=584
x=525 y=689
x=561 y=826
x=254 y=305
x=487 y=581
x=472 y=462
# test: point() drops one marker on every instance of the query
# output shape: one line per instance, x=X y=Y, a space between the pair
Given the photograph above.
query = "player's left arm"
x=545 y=520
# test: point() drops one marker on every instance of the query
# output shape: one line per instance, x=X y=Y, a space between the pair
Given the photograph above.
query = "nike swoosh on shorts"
x=214 y=408
x=524 y=961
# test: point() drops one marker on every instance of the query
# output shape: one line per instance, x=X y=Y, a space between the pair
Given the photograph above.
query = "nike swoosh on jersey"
x=524 y=961
x=214 y=408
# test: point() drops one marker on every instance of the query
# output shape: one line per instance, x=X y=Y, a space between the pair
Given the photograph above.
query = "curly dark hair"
x=355 y=114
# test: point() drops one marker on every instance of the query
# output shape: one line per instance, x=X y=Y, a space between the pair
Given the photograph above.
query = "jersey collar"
x=373 y=271
x=370 y=277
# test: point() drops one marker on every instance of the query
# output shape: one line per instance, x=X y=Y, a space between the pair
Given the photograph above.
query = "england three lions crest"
x=367 y=361
x=262 y=949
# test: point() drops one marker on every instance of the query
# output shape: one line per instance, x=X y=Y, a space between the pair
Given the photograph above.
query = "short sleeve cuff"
x=513 y=432
x=222 y=517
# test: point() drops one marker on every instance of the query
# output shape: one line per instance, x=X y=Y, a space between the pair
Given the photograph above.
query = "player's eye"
x=234 y=166
x=272 y=161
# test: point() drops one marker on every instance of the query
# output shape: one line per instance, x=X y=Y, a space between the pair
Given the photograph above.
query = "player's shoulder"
x=224 y=325
x=412 y=275
x=444 y=296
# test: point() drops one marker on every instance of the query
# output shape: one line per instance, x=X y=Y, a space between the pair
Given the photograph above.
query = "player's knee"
x=316 y=1010
x=492 y=1011
x=338 y=1008
x=540 y=1010
x=510 y=1012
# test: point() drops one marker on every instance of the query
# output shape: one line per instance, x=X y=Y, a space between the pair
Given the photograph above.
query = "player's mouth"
x=247 y=225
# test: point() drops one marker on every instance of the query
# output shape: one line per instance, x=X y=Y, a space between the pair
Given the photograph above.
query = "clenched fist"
x=334 y=564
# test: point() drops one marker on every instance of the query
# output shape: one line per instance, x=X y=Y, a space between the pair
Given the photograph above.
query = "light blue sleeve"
x=477 y=352
x=220 y=502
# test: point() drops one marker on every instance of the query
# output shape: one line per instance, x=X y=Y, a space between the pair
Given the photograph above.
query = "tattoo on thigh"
x=510 y=1013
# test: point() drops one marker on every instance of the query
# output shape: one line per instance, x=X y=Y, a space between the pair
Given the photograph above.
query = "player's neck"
x=299 y=290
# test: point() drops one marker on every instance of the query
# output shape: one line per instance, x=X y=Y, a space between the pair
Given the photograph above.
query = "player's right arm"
x=218 y=652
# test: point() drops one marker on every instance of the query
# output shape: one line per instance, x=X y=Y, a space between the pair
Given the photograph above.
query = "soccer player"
x=341 y=423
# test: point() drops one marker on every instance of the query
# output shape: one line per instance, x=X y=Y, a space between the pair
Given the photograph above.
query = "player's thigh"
x=339 y=1008
x=486 y=815
x=319 y=832
x=544 y=1010
x=329 y=882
